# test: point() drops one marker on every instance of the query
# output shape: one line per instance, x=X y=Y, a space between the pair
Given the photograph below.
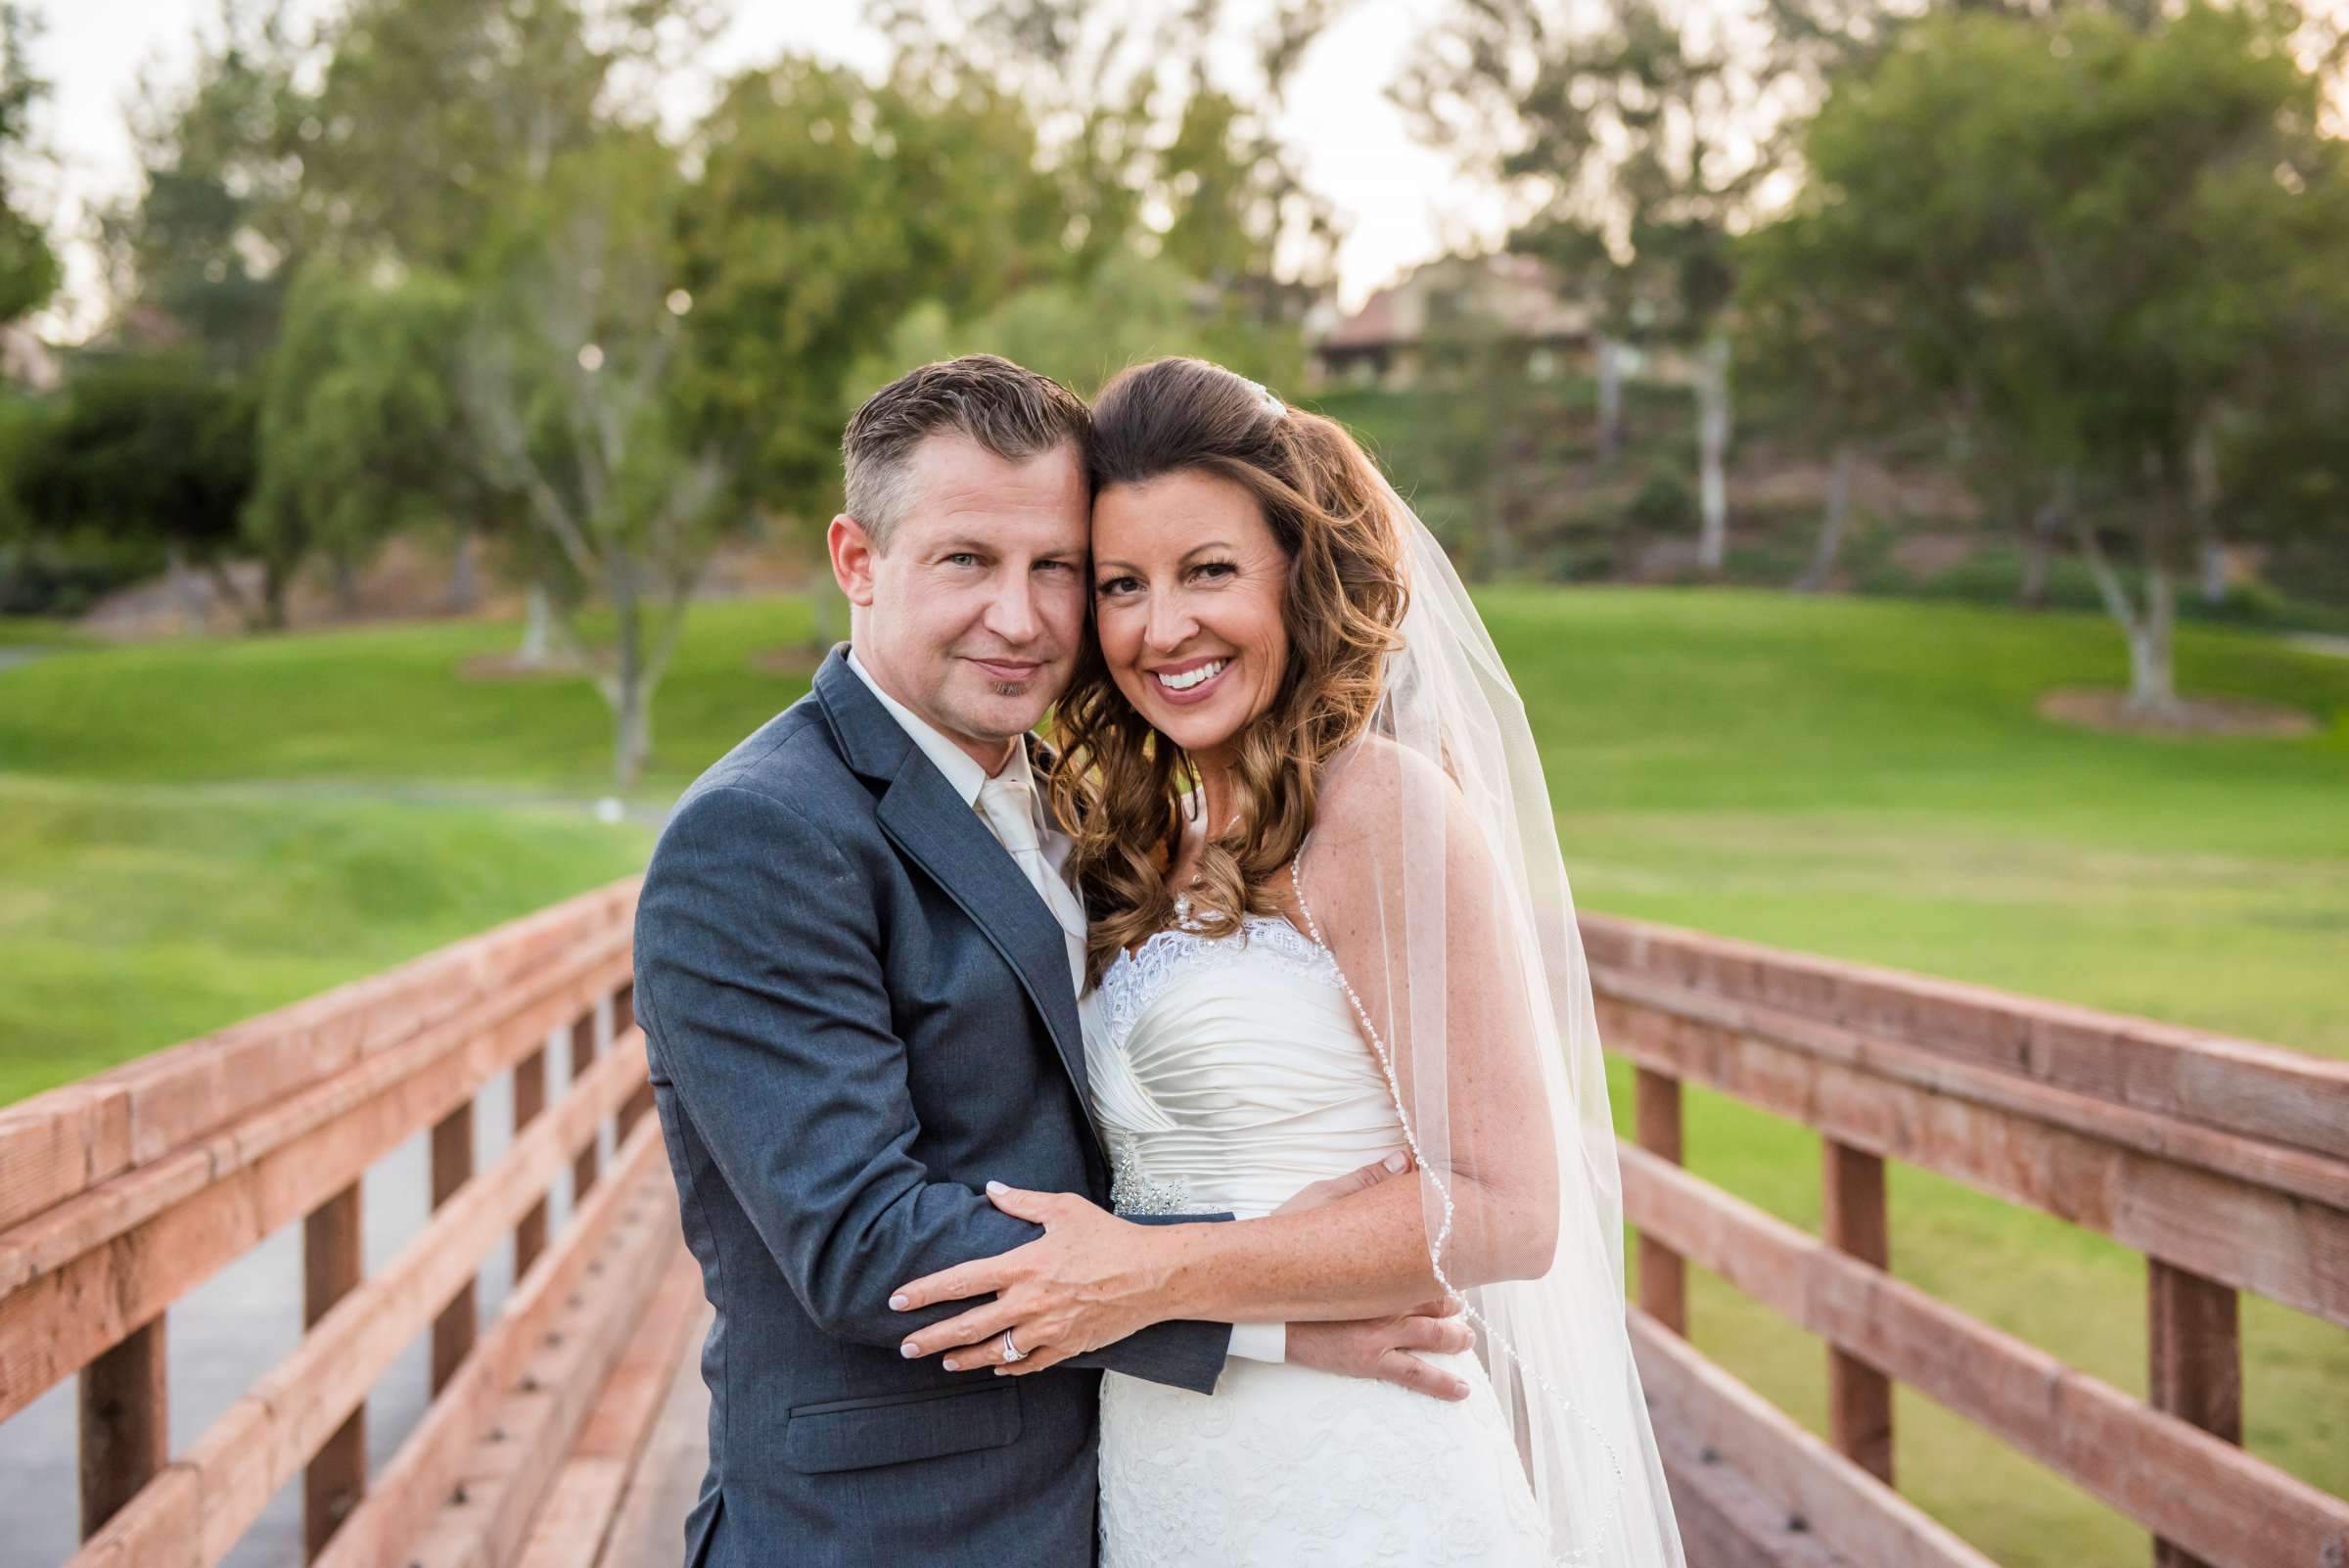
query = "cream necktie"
x=1009 y=807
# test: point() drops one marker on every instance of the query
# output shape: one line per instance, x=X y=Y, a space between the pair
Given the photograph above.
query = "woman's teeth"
x=1192 y=677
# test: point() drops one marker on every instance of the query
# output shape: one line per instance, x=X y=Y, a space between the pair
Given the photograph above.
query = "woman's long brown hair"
x=1117 y=781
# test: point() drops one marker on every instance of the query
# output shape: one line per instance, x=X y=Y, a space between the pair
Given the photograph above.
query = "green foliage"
x=28 y=272
x=207 y=239
x=1081 y=331
x=826 y=209
x=1664 y=499
x=432 y=112
x=146 y=447
x=361 y=429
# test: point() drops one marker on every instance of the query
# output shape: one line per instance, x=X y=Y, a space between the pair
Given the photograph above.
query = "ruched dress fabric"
x=1228 y=1074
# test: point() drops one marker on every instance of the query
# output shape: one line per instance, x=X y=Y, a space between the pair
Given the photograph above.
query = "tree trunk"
x=1831 y=527
x=464 y=581
x=631 y=731
x=2039 y=552
x=1713 y=444
x=2152 y=670
x=538 y=623
x=347 y=586
x=2203 y=507
x=2152 y=678
x=631 y=709
x=1610 y=398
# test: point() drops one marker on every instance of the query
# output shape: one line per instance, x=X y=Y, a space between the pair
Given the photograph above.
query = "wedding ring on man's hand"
x=1011 y=1353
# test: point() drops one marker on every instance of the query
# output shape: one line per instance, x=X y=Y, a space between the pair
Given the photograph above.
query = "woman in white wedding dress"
x=1255 y=824
x=1328 y=922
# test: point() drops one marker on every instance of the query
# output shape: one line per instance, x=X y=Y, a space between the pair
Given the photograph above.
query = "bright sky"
x=1400 y=203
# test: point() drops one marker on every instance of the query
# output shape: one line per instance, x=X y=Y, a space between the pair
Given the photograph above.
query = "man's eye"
x=963 y=558
x=1053 y=566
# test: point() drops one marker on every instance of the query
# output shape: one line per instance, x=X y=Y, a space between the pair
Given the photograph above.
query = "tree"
x=2084 y=236
x=432 y=113
x=1150 y=146
x=1081 y=331
x=361 y=429
x=150 y=447
x=210 y=240
x=568 y=382
x=1642 y=134
x=28 y=266
x=826 y=209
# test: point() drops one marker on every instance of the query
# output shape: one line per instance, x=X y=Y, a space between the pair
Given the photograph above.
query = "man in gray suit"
x=855 y=972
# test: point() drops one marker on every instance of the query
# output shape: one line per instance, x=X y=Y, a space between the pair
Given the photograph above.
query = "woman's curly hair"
x=1117 y=781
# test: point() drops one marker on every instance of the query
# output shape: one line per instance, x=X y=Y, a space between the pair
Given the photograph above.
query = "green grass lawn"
x=1866 y=778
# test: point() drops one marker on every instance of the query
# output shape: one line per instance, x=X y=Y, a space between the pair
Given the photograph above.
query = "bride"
x=1328 y=921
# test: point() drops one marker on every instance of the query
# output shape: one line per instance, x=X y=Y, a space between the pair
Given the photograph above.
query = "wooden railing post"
x=2195 y=1345
x=125 y=1426
x=332 y=1261
x=582 y=1057
x=623 y=1019
x=454 y=1330
x=1859 y=1396
x=1662 y=1272
x=530 y=1098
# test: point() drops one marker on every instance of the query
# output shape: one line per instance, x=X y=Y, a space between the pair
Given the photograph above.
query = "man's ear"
x=853 y=551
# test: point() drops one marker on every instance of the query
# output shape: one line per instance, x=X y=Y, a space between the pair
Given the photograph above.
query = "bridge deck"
x=649 y=1528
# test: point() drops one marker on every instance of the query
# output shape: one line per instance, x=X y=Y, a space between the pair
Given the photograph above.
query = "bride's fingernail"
x=1394 y=1162
x=909 y=1349
x=952 y=1365
x=996 y=1186
x=896 y=1304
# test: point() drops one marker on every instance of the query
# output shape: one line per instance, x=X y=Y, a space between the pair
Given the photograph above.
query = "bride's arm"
x=1488 y=1133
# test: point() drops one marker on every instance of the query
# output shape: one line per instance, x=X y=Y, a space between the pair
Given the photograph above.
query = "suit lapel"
x=927 y=820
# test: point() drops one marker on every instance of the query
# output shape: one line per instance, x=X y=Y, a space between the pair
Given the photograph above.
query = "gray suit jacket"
x=858 y=1012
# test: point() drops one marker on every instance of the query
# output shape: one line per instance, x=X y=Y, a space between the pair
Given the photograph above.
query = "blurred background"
x=1903 y=449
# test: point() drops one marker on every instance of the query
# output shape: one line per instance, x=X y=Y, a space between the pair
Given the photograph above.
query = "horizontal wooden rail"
x=2263 y=1093
x=2225 y=1153
x=80 y=1278
x=64 y=1143
x=2250 y=1235
x=2180 y=1482
x=1704 y=1417
x=269 y=1434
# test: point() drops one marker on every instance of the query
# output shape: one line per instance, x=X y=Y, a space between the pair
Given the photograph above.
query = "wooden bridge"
x=565 y=1430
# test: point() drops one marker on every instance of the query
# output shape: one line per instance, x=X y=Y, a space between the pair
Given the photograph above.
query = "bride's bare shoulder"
x=1376 y=802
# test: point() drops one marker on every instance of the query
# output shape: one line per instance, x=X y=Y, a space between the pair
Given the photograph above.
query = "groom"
x=855 y=969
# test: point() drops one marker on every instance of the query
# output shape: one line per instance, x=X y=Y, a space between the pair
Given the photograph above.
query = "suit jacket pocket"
x=893 y=1428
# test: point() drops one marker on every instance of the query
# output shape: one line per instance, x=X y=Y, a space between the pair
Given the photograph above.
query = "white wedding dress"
x=1227 y=1074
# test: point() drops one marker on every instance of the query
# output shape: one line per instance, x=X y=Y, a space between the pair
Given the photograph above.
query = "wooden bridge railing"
x=121 y=1193
x=2225 y=1163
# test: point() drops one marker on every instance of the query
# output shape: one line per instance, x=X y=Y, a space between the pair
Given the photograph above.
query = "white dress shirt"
x=1256 y=1342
